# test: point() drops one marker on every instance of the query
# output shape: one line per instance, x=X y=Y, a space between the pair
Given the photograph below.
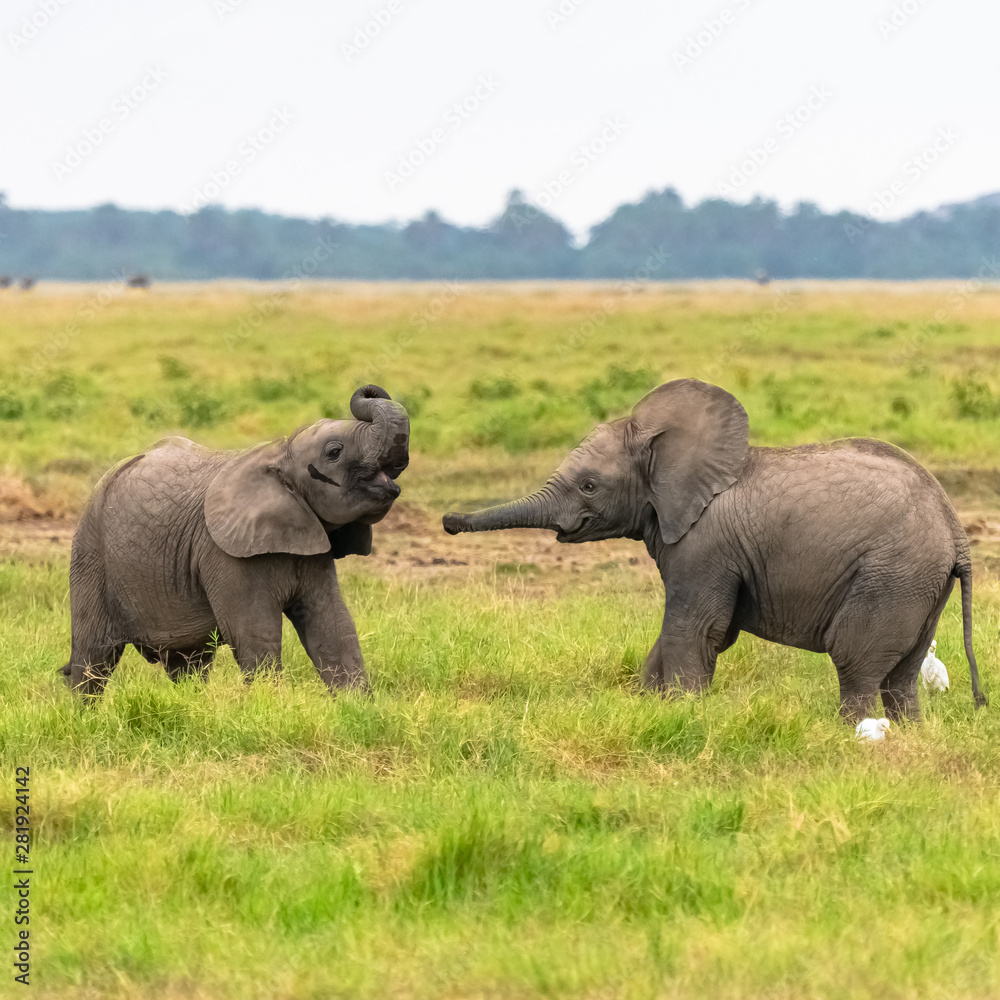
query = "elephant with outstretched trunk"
x=181 y=548
x=849 y=548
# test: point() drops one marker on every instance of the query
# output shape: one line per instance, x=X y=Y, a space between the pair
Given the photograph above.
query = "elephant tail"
x=964 y=573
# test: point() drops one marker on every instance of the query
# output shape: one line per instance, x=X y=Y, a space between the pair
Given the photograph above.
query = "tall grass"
x=505 y=814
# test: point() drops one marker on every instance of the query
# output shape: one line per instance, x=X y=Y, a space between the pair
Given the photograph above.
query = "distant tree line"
x=713 y=239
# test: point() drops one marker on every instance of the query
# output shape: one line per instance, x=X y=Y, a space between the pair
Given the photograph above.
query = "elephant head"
x=683 y=443
x=319 y=490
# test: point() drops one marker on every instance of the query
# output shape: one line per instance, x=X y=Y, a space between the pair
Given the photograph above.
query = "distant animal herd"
x=27 y=282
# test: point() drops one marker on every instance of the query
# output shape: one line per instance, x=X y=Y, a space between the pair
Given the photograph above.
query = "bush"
x=618 y=391
x=199 y=409
x=495 y=388
x=11 y=407
x=974 y=400
x=172 y=369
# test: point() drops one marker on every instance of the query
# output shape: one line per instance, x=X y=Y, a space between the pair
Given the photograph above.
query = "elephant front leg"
x=258 y=649
x=251 y=626
x=679 y=662
x=327 y=632
x=698 y=624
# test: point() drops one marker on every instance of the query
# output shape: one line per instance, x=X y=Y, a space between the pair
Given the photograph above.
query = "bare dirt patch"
x=31 y=539
x=982 y=525
x=411 y=545
x=18 y=502
x=31 y=525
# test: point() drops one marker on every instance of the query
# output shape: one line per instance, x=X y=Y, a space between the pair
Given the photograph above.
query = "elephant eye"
x=334 y=452
x=588 y=486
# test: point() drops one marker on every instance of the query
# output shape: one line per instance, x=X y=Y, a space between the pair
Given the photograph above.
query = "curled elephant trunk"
x=363 y=401
x=390 y=422
x=528 y=512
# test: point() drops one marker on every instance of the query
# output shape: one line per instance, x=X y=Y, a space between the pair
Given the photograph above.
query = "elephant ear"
x=697 y=437
x=354 y=539
x=250 y=510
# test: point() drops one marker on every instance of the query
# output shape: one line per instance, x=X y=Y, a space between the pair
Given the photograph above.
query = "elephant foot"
x=855 y=707
x=336 y=681
x=900 y=706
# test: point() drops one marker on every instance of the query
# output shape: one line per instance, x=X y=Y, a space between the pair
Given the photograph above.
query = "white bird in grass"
x=932 y=671
x=872 y=729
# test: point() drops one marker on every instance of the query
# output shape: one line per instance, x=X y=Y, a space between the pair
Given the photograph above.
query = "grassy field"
x=506 y=815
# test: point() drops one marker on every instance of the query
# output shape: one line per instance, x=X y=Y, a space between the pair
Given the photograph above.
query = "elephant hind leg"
x=899 y=690
x=97 y=636
x=861 y=661
x=97 y=646
x=856 y=703
x=860 y=685
x=877 y=649
x=899 y=686
x=89 y=669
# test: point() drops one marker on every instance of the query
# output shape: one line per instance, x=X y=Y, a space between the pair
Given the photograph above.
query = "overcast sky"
x=376 y=111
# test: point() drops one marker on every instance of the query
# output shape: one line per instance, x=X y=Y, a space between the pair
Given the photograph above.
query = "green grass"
x=507 y=815
x=499 y=382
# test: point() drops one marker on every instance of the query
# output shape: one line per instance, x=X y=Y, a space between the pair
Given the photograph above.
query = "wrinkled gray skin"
x=849 y=548
x=182 y=542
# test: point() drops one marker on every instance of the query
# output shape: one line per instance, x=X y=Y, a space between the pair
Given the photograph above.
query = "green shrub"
x=618 y=391
x=974 y=399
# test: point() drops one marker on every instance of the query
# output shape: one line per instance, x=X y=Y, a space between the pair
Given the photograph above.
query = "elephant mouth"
x=373 y=494
x=378 y=488
x=574 y=534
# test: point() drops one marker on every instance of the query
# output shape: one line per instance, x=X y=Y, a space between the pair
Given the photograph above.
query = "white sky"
x=226 y=67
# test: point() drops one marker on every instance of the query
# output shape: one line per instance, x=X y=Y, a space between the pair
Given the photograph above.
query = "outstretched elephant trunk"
x=390 y=423
x=534 y=511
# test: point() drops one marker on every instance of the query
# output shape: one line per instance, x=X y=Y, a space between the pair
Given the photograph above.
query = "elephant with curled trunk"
x=182 y=548
x=849 y=548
